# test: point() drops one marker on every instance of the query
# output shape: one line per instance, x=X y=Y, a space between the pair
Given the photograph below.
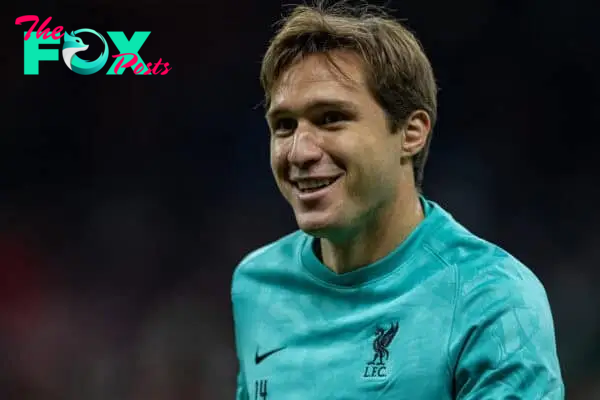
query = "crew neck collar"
x=363 y=275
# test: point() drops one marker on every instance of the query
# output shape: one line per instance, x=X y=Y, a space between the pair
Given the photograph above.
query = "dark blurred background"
x=126 y=201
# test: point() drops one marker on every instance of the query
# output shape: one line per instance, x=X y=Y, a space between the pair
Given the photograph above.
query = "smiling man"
x=381 y=294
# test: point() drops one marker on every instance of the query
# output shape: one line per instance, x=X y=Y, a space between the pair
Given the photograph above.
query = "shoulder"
x=269 y=258
x=501 y=321
x=483 y=267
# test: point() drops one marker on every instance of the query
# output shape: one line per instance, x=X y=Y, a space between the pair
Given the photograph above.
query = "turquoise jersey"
x=446 y=315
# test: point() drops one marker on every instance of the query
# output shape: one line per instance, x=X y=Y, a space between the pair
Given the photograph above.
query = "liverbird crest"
x=383 y=338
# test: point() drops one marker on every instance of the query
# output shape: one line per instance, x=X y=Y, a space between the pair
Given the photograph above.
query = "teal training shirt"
x=446 y=315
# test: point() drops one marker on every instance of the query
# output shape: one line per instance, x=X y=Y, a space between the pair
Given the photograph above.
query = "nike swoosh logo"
x=262 y=357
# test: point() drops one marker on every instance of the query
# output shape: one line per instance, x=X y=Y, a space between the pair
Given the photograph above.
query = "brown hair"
x=397 y=71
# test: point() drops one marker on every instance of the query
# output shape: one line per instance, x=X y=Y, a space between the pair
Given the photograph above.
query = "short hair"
x=397 y=71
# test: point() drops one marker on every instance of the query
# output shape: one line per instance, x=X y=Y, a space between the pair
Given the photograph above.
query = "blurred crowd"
x=123 y=301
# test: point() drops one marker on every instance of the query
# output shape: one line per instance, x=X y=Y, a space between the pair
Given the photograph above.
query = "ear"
x=416 y=130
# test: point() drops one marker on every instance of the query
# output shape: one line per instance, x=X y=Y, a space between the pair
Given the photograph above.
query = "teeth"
x=314 y=183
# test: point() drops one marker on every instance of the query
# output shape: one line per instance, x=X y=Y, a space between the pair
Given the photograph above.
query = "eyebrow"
x=339 y=104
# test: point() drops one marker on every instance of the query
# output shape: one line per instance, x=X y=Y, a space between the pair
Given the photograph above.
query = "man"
x=381 y=294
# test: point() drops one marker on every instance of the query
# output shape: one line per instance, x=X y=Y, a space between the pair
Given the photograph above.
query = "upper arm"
x=504 y=342
x=241 y=392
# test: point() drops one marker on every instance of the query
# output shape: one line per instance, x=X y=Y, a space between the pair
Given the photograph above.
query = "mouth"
x=309 y=189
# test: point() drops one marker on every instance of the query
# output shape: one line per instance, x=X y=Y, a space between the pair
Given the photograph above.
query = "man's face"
x=332 y=154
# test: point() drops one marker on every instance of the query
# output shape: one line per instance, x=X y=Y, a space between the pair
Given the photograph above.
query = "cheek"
x=278 y=156
x=372 y=169
x=357 y=152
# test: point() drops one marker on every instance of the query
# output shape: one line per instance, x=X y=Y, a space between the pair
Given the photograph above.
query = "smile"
x=312 y=185
x=312 y=189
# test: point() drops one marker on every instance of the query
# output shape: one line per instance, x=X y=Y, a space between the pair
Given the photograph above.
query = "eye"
x=284 y=126
x=332 y=118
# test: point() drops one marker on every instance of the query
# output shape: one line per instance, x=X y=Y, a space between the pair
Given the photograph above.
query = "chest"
x=334 y=350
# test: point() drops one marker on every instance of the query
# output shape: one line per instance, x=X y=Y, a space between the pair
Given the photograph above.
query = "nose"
x=305 y=149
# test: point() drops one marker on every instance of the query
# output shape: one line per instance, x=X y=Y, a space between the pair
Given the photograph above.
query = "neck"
x=377 y=237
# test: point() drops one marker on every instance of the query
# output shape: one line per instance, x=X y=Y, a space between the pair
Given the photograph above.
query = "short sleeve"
x=503 y=341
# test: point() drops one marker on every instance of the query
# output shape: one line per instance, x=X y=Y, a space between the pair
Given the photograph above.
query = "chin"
x=320 y=226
